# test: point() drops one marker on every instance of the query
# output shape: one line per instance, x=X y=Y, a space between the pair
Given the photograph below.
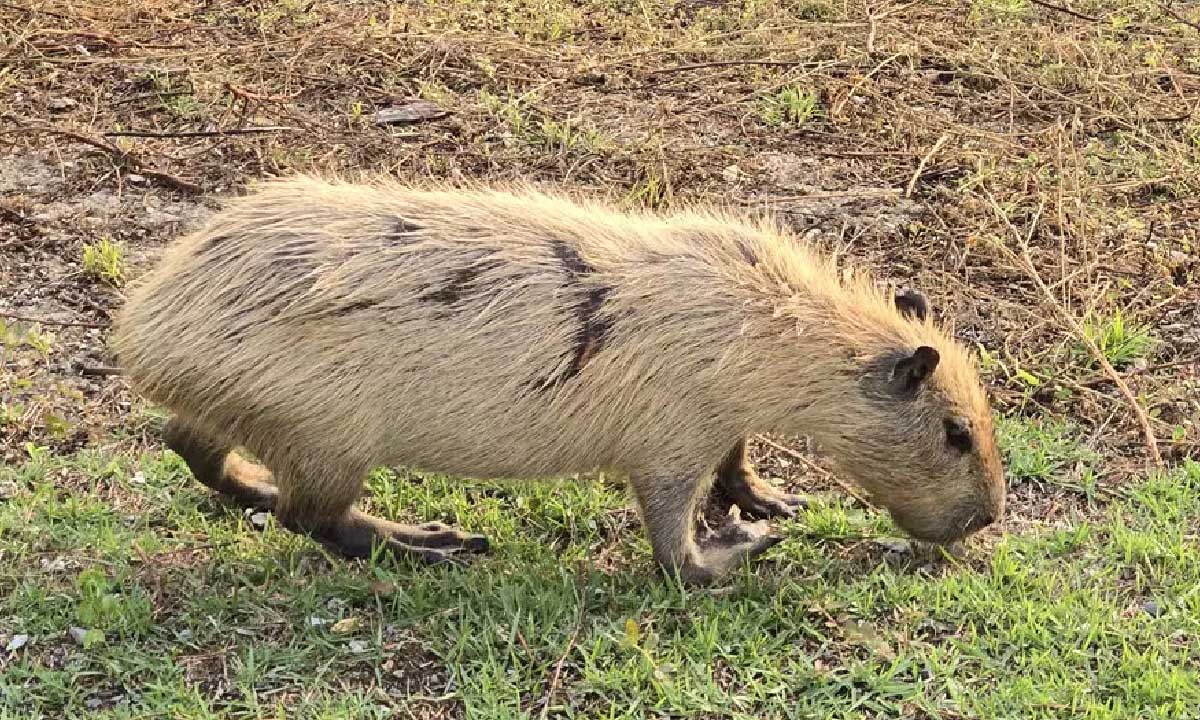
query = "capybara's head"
x=919 y=436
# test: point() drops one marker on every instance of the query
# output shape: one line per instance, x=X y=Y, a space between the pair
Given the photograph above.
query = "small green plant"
x=568 y=135
x=105 y=261
x=1120 y=341
x=790 y=106
x=11 y=414
x=652 y=190
x=15 y=336
x=101 y=610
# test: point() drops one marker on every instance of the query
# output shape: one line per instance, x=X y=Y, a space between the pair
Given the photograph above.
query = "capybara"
x=330 y=327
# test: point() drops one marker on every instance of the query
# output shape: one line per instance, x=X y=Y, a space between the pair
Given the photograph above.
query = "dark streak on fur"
x=748 y=253
x=356 y=306
x=212 y=243
x=402 y=232
x=461 y=284
x=593 y=327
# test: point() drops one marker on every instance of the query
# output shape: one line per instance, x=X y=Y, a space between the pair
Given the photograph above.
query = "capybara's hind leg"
x=737 y=480
x=325 y=512
x=215 y=464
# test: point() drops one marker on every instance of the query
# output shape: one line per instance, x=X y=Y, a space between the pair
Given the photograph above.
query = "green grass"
x=1120 y=341
x=191 y=613
x=1044 y=450
x=105 y=261
x=790 y=106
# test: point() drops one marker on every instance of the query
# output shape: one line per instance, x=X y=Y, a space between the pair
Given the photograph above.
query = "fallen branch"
x=199 y=133
x=1025 y=260
x=131 y=160
x=56 y=323
x=1166 y=7
x=731 y=63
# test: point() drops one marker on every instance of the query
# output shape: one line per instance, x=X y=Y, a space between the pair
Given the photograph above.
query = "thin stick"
x=57 y=323
x=1072 y=322
x=100 y=371
x=912 y=182
x=245 y=94
x=821 y=194
x=1166 y=7
x=729 y=63
x=199 y=133
x=1064 y=10
x=850 y=490
x=31 y=10
x=1193 y=360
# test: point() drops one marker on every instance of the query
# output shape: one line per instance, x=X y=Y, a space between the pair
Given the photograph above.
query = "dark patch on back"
x=748 y=253
x=570 y=259
x=593 y=326
x=212 y=243
x=354 y=307
x=461 y=284
x=402 y=232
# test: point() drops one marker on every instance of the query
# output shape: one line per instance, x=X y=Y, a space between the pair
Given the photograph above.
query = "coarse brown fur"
x=330 y=327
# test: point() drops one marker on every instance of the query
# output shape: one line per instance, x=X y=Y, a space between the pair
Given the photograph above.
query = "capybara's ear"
x=912 y=303
x=910 y=372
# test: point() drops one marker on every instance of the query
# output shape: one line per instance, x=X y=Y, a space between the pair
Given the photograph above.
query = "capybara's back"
x=331 y=327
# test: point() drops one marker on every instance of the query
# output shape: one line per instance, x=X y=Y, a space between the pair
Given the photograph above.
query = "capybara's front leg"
x=668 y=509
x=737 y=481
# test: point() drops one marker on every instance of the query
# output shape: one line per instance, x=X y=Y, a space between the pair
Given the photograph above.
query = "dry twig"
x=1166 y=7
x=133 y=161
x=199 y=133
x=850 y=489
x=916 y=176
x=1064 y=10
x=556 y=677
x=56 y=323
x=727 y=63
x=1025 y=261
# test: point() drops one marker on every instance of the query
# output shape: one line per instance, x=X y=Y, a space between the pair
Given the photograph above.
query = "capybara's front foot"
x=723 y=550
x=357 y=533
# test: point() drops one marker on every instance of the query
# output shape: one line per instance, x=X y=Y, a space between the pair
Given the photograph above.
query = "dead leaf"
x=346 y=625
x=411 y=112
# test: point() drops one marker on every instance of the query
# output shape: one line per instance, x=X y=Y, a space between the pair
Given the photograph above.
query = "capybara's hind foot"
x=737 y=481
x=356 y=534
x=755 y=497
x=216 y=465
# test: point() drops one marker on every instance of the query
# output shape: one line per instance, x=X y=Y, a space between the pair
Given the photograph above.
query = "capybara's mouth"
x=946 y=534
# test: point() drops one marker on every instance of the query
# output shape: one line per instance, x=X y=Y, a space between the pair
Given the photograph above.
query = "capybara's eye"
x=958 y=435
